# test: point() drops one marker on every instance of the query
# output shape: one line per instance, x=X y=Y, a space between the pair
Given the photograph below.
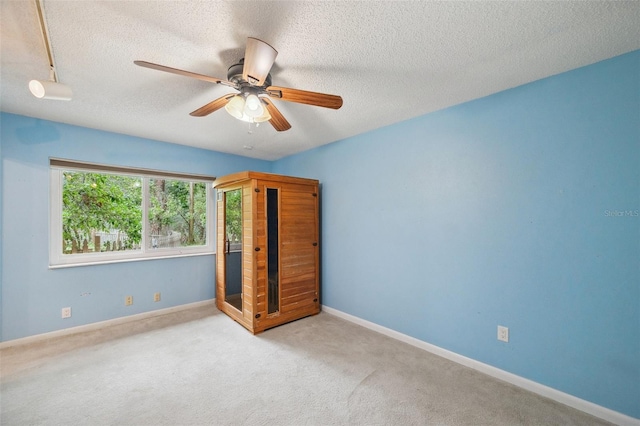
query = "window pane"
x=100 y=212
x=177 y=213
x=102 y=216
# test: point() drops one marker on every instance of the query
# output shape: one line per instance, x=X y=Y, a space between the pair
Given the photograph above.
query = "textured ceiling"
x=390 y=61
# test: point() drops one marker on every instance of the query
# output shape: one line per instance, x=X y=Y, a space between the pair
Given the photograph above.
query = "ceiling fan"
x=250 y=76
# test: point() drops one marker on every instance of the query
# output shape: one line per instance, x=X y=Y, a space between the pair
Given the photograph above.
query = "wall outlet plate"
x=503 y=333
x=66 y=312
x=128 y=300
x=156 y=297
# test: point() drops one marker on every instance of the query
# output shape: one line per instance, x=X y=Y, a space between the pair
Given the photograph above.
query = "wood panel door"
x=298 y=248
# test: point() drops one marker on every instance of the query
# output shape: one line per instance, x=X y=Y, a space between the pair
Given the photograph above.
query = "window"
x=104 y=214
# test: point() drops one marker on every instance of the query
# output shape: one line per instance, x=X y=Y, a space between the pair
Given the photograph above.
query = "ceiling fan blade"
x=258 y=60
x=153 y=66
x=277 y=119
x=305 y=97
x=212 y=106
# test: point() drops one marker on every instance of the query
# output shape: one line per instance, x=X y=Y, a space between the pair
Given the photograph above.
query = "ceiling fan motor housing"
x=234 y=74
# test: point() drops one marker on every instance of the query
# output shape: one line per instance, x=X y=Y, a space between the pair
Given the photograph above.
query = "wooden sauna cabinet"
x=267 y=248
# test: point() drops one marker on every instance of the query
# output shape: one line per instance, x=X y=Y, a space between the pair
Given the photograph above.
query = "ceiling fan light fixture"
x=236 y=106
x=250 y=110
x=45 y=89
x=262 y=118
x=253 y=106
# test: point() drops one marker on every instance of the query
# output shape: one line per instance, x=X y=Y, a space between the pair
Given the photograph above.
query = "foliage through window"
x=109 y=216
x=233 y=215
x=100 y=212
x=177 y=213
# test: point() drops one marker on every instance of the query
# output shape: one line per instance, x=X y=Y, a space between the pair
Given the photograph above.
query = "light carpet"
x=199 y=367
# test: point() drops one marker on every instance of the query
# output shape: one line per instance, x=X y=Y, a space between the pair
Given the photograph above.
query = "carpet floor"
x=199 y=367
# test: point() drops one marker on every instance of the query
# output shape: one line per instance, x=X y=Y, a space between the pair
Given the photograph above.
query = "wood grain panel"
x=298 y=297
x=268 y=177
x=247 y=255
x=299 y=288
x=298 y=255
x=298 y=280
x=260 y=232
x=220 y=272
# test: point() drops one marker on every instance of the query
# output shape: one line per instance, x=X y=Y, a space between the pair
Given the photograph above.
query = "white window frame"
x=59 y=260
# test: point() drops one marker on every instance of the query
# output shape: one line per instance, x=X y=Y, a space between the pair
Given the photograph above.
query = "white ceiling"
x=390 y=61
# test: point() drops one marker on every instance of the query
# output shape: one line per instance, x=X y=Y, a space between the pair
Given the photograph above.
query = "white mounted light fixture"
x=52 y=88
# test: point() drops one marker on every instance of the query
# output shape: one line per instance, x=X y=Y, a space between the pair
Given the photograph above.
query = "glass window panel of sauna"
x=233 y=248
x=273 y=252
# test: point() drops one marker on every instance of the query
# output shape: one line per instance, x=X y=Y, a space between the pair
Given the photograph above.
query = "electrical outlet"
x=503 y=333
x=128 y=300
x=66 y=312
x=156 y=297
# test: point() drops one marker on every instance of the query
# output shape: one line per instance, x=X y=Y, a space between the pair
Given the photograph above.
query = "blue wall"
x=499 y=211
x=32 y=294
x=1 y=232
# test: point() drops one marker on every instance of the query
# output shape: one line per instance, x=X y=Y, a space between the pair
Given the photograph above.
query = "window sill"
x=137 y=259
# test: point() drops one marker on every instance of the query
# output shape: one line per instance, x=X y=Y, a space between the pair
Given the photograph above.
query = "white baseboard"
x=530 y=385
x=102 y=324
